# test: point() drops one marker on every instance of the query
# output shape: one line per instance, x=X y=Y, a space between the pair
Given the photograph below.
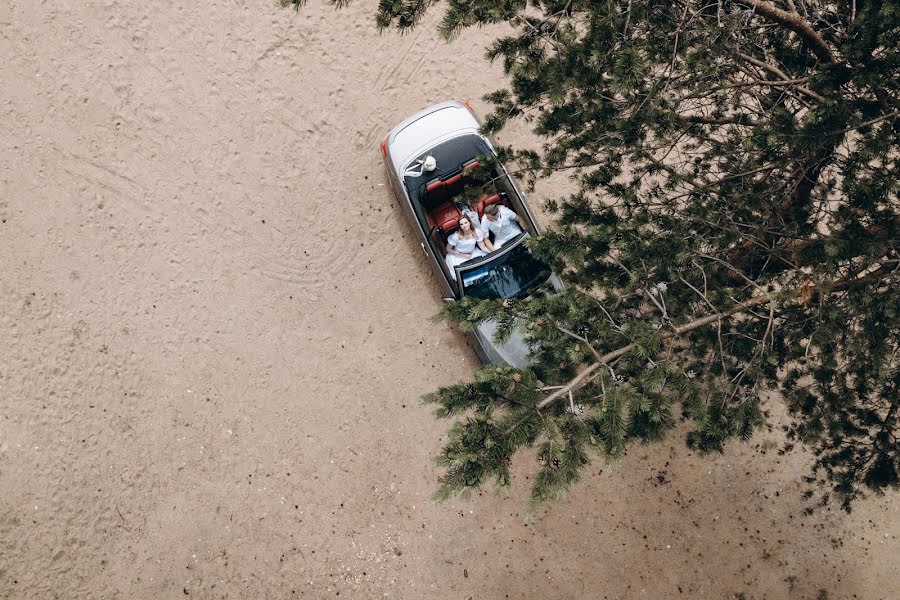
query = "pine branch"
x=581 y=339
x=735 y=120
x=678 y=330
x=795 y=23
x=806 y=294
x=778 y=73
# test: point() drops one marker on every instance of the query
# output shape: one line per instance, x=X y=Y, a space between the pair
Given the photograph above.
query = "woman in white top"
x=466 y=243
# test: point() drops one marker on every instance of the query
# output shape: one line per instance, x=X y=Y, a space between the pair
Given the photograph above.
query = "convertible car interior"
x=441 y=209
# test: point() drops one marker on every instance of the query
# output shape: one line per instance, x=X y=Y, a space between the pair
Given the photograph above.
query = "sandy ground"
x=214 y=331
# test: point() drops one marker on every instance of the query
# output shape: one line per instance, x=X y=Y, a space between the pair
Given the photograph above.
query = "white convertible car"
x=431 y=158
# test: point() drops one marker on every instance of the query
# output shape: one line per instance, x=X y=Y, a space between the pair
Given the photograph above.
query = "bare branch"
x=581 y=339
x=795 y=23
x=778 y=73
x=575 y=382
x=735 y=120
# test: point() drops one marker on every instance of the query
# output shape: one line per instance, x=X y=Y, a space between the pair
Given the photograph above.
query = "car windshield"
x=507 y=276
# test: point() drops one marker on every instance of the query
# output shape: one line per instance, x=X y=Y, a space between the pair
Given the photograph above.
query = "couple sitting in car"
x=471 y=241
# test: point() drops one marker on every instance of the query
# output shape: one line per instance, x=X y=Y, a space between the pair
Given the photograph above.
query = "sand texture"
x=214 y=333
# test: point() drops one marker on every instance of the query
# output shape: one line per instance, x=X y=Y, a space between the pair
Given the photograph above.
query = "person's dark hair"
x=492 y=209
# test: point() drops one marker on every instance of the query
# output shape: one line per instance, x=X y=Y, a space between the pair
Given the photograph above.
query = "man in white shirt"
x=502 y=222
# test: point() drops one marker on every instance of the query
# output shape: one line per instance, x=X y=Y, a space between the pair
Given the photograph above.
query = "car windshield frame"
x=498 y=259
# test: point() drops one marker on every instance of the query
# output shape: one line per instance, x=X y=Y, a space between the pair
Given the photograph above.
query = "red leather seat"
x=436 y=193
x=485 y=201
x=445 y=216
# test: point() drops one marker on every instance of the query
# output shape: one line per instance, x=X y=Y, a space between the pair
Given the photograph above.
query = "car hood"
x=513 y=352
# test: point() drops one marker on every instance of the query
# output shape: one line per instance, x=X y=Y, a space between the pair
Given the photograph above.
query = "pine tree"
x=734 y=233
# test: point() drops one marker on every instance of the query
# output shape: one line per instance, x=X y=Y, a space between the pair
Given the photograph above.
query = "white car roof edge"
x=401 y=163
x=420 y=114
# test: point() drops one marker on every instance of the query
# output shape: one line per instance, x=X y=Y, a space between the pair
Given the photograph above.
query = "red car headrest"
x=433 y=185
x=453 y=180
x=485 y=201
